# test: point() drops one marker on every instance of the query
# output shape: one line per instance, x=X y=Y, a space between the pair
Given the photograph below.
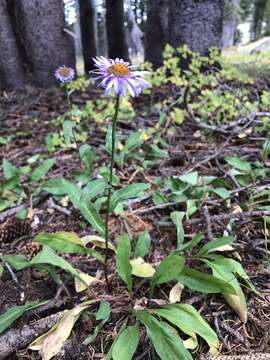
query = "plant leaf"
x=41 y=170
x=141 y=268
x=188 y=320
x=126 y=344
x=169 y=269
x=127 y=192
x=87 y=209
x=177 y=219
x=210 y=246
x=143 y=244
x=8 y=318
x=165 y=339
x=97 y=241
x=67 y=242
x=122 y=261
x=52 y=341
x=202 y=282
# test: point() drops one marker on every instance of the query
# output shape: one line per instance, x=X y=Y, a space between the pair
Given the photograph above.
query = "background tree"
x=117 y=44
x=46 y=42
x=11 y=72
x=134 y=33
x=156 y=34
x=88 y=24
x=196 y=23
x=231 y=18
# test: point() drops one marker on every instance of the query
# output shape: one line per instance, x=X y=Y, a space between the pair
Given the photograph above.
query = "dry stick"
x=61 y=209
x=18 y=338
x=222 y=217
x=208 y=222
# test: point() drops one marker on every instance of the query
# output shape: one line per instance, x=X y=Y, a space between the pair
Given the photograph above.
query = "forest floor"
x=27 y=118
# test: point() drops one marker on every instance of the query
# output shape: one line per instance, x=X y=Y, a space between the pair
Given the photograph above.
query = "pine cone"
x=13 y=230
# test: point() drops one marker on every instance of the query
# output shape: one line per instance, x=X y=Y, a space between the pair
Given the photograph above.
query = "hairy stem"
x=110 y=190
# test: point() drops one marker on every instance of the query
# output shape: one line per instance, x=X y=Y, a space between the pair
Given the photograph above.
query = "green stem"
x=114 y=121
x=69 y=113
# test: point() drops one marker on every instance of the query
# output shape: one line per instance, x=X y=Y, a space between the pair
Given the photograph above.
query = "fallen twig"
x=15 y=339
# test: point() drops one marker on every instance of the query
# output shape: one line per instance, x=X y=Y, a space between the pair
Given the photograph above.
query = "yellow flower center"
x=64 y=71
x=119 y=70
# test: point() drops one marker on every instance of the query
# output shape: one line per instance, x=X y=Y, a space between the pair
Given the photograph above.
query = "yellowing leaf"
x=144 y=136
x=175 y=293
x=97 y=241
x=87 y=281
x=141 y=268
x=191 y=342
x=51 y=342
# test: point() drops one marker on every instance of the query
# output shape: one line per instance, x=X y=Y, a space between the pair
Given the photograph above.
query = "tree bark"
x=88 y=32
x=117 y=44
x=156 y=34
x=11 y=66
x=231 y=18
x=134 y=33
x=196 y=23
x=47 y=44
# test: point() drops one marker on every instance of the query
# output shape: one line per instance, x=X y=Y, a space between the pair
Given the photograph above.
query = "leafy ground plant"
x=146 y=291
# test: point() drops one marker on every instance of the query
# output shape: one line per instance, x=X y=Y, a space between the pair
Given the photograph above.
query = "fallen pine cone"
x=14 y=229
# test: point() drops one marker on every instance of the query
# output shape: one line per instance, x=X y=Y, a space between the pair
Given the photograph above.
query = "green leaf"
x=41 y=170
x=104 y=311
x=17 y=262
x=237 y=301
x=14 y=313
x=127 y=192
x=69 y=130
x=210 y=246
x=191 y=178
x=188 y=320
x=164 y=338
x=67 y=242
x=126 y=344
x=9 y=170
x=47 y=256
x=123 y=326
x=55 y=186
x=87 y=155
x=177 y=219
x=122 y=261
x=202 y=282
x=94 y=188
x=169 y=269
x=222 y=192
x=238 y=163
x=143 y=244
x=192 y=243
x=87 y=209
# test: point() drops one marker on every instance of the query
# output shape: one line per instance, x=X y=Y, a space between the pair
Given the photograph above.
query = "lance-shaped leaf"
x=177 y=219
x=41 y=170
x=67 y=242
x=141 y=268
x=143 y=244
x=164 y=338
x=86 y=208
x=127 y=192
x=188 y=320
x=236 y=301
x=215 y=244
x=52 y=341
x=169 y=269
x=7 y=318
x=126 y=344
x=122 y=261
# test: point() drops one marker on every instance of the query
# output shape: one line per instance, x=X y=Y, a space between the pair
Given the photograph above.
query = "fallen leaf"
x=175 y=293
x=141 y=268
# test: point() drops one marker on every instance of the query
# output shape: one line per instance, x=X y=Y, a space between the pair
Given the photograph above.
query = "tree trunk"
x=117 y=44
x=134 y=33
x=12 y=70
x=88 y=32
x=196 y=23
x=47 y=44
x=231 y=19
x=156 y=31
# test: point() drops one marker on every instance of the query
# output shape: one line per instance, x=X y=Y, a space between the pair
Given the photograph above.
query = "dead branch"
x=15 y=339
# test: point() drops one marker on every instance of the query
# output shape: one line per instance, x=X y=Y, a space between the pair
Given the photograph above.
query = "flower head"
x=64 y=74
x=119 y=77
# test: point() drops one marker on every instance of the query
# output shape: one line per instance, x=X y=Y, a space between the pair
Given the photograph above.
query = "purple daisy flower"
x=119 y=77
x=64 y=74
